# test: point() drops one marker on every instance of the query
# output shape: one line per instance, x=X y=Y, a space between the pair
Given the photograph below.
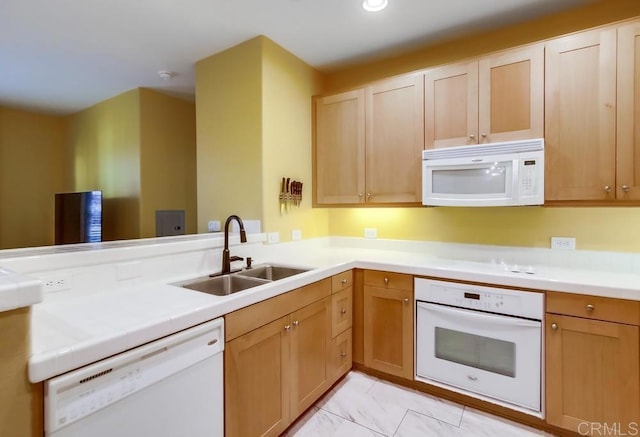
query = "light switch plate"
x=296 y=234
x=370 y=233
x=214 y=225
x=273 y=237
x=563 y=243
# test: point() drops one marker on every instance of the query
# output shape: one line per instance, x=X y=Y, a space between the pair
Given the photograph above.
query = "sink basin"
x=271 y=272
x=223 y=285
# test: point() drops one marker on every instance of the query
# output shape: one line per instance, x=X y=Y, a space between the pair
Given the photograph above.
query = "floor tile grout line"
x=464 y=410
x=400 y=424
x=435 y=418
x=354 y=422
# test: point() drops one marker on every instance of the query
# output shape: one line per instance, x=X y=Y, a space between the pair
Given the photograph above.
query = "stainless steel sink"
x=230 y=283
x=223 y=285
x=271 y=272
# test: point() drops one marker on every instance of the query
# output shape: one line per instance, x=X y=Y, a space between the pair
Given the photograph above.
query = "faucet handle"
x=249 y=261
x=236 y=258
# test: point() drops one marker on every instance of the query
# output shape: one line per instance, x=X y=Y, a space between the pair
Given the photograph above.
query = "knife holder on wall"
x=290 y=193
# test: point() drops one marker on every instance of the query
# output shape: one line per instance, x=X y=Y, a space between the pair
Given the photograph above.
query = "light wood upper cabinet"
x=388 y=326
x=592 y=362
x=511 y=95
x=580 y=116
x=368 y=143
x=497 y=98
x=394 y=140
x=628 y=113
x=451 y=98
x=340 y=147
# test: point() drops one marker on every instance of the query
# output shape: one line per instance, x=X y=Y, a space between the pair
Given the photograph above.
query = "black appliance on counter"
x=78 y=217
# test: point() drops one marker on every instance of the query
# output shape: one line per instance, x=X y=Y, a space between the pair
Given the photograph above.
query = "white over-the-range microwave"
x=497 y=174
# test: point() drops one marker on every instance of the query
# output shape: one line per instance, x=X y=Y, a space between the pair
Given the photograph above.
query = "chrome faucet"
x=226 y=259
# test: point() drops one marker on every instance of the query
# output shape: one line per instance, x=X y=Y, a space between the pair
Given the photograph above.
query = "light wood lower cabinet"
x=592 y=366
x=257 y=370
x=388 y=323
x=310 y=361
x=276 y=369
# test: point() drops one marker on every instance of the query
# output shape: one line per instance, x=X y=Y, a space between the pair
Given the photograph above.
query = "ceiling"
x=62 y=56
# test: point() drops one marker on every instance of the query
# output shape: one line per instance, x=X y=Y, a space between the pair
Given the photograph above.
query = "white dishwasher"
x=170 y=387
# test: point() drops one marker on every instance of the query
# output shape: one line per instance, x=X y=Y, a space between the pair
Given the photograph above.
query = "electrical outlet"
x=296 y=234
x=57 y=282
x=273 y=237
x=370 y=233
x=214 y=225
x=563 y=243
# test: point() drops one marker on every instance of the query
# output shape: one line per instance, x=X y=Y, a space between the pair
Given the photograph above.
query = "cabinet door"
x=339 y=148
x=394 y=140
x=580 y=116
x=388 y=330
x=592 y=374
x=340 y=355
x=511 y=95
x=310 y=345
x=451 y=97
x=256 y=381
x=628 y=146
x=341 y=311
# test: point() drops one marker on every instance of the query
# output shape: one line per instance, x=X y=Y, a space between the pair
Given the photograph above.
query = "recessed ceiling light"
x=374 y=5
x=166 y=75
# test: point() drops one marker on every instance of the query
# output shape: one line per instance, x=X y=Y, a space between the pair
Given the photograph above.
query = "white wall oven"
x=483 y=341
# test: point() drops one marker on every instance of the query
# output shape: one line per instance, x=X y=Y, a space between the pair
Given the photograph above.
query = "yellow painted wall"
x=613 y=229
x=288 y=84
x=229 y=133
x=167 y=159
x=594 y=228
x=32 y=170
x=105 y=142
x=596 y=14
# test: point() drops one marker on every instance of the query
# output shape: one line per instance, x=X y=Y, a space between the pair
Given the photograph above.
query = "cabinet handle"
x=343 y=311
x=296 y=323
x=368 y=196
x=386 y=281
x=607 y=188
x=554 y=327
x=472 y=378
x=343 y=354
x=287 y=327
x=405 y=300
x=472 y=136
x=344 y=281
x=484 y=135
x=626 y=188
x=590 y=308
x=360 y=195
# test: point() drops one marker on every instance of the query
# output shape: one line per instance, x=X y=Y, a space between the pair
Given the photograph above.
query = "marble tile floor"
x=364 y=406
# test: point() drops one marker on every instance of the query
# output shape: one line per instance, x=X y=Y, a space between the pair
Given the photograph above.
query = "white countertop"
x=74 y=329
x=18 y=290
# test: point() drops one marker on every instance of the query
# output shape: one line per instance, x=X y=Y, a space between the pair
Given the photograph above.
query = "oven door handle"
x=478 y=316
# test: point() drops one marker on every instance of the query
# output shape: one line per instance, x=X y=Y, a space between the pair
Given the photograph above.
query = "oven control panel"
x=496 y=300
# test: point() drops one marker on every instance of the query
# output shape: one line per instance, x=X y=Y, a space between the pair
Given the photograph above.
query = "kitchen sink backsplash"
x=100 y=268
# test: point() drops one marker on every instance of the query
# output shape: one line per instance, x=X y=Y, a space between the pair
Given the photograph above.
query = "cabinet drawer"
x=341 y=358
x=341 y=281
x=259 y=314
x=341 y=311
x=398 y=281
x=594 y=307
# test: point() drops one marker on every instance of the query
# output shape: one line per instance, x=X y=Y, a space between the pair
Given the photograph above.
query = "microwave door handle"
x=515 y=179
x=476 y=316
